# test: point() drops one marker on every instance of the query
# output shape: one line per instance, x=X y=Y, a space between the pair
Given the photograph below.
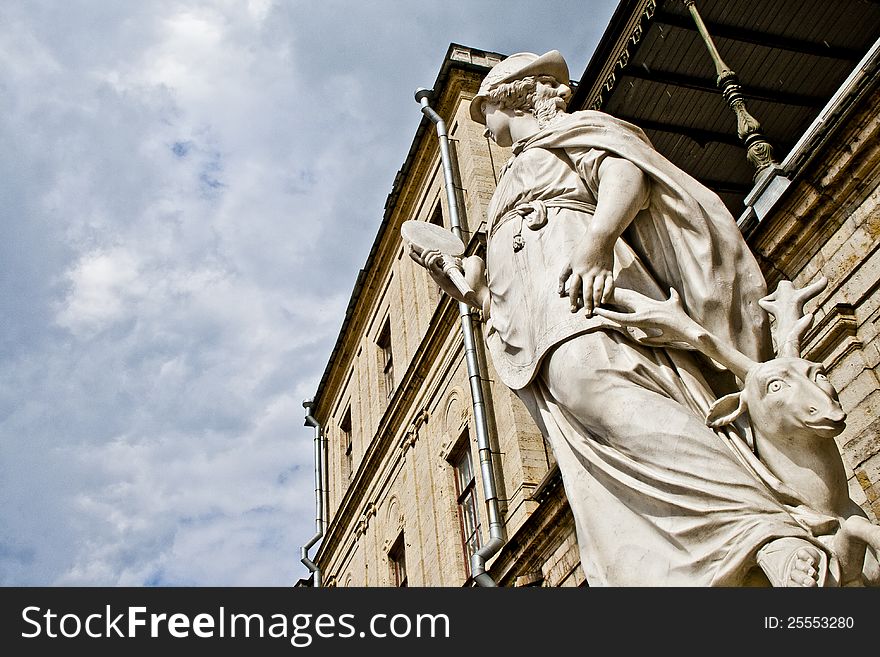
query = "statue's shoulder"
x=581 y=129
x=606 y=125
x=584 y=122
x=589 y=117
x=597 y=119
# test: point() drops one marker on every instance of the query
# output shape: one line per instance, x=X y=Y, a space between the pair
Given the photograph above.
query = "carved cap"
x=515 y=67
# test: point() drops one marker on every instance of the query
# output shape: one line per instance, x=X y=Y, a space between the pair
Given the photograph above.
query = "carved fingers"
x=586 y=290
x=563 y=280
x=587 y=279
x=602 y=294
x=431 y=259
x=666 y=317
x=415 y=254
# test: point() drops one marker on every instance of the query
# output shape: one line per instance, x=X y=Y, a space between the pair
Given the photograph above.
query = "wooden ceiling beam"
x=709 y=85
x=699 y=135
x=746 y=35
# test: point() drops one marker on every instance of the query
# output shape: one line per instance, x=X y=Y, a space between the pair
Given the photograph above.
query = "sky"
x=187 y=192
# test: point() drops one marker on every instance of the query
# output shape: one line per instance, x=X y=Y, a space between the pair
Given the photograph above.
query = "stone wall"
x=828 y=223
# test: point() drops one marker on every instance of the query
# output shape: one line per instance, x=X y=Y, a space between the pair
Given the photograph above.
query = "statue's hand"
x=431 y=259
x=665 y=323
x=587 y=279
x=450 y=273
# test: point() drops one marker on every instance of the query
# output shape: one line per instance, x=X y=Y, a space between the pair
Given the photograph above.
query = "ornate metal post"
x=758 y=150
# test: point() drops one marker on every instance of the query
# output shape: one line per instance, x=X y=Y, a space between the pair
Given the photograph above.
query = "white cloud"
x=101 y=283
x=187 y=191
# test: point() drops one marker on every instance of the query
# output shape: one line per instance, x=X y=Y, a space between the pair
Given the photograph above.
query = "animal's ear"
x=726 y=410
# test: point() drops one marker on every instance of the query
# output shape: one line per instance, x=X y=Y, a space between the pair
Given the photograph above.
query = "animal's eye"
x=776 y=385
x=820 y=376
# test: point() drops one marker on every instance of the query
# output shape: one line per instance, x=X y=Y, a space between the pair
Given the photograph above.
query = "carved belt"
x=534 y=215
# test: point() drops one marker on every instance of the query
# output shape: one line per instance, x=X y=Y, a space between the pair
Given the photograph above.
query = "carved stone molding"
x=394 y=523
x=391 y=539
x=363 y=523
x=532 y=578
x=447 y=447
x=409 y=439
x=635 y=36
x=411 y=436
x=834 y=336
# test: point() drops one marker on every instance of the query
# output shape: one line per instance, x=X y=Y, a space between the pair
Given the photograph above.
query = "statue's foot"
x=803 y=567
x=792 y=562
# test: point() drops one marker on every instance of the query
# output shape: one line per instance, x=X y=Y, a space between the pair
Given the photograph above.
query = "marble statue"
x=586 y=214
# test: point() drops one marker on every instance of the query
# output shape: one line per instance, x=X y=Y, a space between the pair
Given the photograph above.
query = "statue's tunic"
x=658 y=498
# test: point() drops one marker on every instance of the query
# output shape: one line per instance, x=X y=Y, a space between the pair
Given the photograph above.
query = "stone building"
x=404 y=500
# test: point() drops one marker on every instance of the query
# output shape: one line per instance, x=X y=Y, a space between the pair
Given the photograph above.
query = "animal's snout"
x=831 y=413
x=828 y=420
x=837 y=414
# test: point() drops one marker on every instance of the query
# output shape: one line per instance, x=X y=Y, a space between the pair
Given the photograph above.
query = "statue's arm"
x=475 y=274
x=587 y=279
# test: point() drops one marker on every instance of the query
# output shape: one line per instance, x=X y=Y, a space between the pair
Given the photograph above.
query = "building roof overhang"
x=652 y=68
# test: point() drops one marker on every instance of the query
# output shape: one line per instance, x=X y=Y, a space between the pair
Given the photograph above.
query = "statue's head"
x=525 y=82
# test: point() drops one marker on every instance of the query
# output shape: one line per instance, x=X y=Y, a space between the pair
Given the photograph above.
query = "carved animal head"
x=787 y=397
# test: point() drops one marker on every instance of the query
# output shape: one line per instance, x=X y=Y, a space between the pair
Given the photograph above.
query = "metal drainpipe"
x=479 y=558
x=320 y=521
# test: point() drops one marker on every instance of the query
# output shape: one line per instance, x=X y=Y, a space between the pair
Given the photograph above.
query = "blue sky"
x=187 y=191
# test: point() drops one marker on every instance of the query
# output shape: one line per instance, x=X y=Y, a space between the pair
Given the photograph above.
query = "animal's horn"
x=786 y=304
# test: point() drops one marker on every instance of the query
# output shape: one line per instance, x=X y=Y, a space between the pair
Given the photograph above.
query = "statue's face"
x=497 y=123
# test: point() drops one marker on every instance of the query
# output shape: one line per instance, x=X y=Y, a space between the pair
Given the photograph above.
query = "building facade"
x=404 y=498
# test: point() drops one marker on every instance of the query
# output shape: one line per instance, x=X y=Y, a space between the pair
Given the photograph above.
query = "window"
x=387 y=361
x=345 y=428
x=397 y=560
x=437 y=216
x=465 y=488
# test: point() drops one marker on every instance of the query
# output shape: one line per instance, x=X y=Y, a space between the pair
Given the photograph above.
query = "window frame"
x=383 y=341
x=345 y=428
x=465 y=478
x=397 y=563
